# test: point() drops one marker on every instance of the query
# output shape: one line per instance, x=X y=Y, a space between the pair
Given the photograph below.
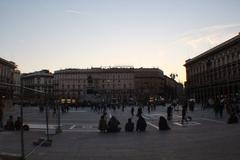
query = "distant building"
x=215 y=72
x=6 y=79
x=149 y=83
x=172 y=89
x=110 y=85
x=126 y=85
x=39 y=81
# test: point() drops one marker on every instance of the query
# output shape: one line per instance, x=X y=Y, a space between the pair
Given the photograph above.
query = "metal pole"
x=59 y=130
x=22 y=129
x=46 y=115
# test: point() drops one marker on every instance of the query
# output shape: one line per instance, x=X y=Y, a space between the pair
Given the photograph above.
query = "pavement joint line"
x=187 y=124
x=153 y=125
x=73 y=126
x=146 y=117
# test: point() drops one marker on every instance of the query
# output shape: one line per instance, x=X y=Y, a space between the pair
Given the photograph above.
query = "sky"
x=58 y=34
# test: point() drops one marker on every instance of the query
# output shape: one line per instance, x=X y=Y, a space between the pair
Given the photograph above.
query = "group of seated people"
x=113 y=124
x=11 y=125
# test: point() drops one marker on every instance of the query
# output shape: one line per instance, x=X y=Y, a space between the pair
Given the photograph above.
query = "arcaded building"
x=215 y=72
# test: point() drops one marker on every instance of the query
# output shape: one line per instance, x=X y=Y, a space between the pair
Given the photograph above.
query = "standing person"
x=132 y=111
x=123 y=107
x=129 y=127
x=149 y=108
x=221 y=107
x=184 y=112
x=169 y=112
x=216 y=108
x=139 y=112
x=54 y=111
x=141 y=124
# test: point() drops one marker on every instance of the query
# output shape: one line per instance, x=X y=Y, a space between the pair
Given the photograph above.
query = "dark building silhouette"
x=215 y=72
x=112 y=85
x=7 y=69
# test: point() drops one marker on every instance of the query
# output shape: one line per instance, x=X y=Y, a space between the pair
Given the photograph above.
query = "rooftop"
x=214 y=49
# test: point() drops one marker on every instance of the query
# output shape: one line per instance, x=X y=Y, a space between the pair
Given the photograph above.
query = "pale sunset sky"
x=58 y=34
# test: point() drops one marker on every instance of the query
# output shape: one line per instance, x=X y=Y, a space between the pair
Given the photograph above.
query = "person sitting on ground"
x=18 y=124
x=129 y=127
x=141 y=124
x=102 y=126
x=163 y=125
x=9 y=125
x=113 y=125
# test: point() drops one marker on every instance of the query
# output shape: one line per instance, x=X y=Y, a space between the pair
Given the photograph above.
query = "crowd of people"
x=113 y=125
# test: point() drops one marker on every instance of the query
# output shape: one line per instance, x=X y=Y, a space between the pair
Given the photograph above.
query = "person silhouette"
x=141 y=124
x=113 y=124
x=102 y=126
x=17 y=124
x=129 y=127
x=163 y=125
x=9 y=125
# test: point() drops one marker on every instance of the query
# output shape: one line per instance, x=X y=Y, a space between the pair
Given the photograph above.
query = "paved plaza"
x=204 y=138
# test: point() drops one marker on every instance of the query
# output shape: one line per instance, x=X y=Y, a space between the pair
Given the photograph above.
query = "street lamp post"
x=58 y=130
x=22 y=129
x=46 y=103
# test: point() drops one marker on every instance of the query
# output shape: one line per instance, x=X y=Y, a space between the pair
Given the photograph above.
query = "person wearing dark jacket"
x=102 y=126
x=9 y=125
x=113 y=125
x=163 y=125
x=129 y=127
x=17 y=124
x=141 y=124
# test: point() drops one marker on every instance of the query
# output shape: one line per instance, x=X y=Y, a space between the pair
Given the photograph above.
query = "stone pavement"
x=204 y=138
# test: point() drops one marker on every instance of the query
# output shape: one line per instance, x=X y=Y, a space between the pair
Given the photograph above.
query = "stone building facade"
x=149 y=83
x=6 y=89
x=215 y=72
x=110 y=85
x=172 y=89
x=7 y=69
x=38 y=81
